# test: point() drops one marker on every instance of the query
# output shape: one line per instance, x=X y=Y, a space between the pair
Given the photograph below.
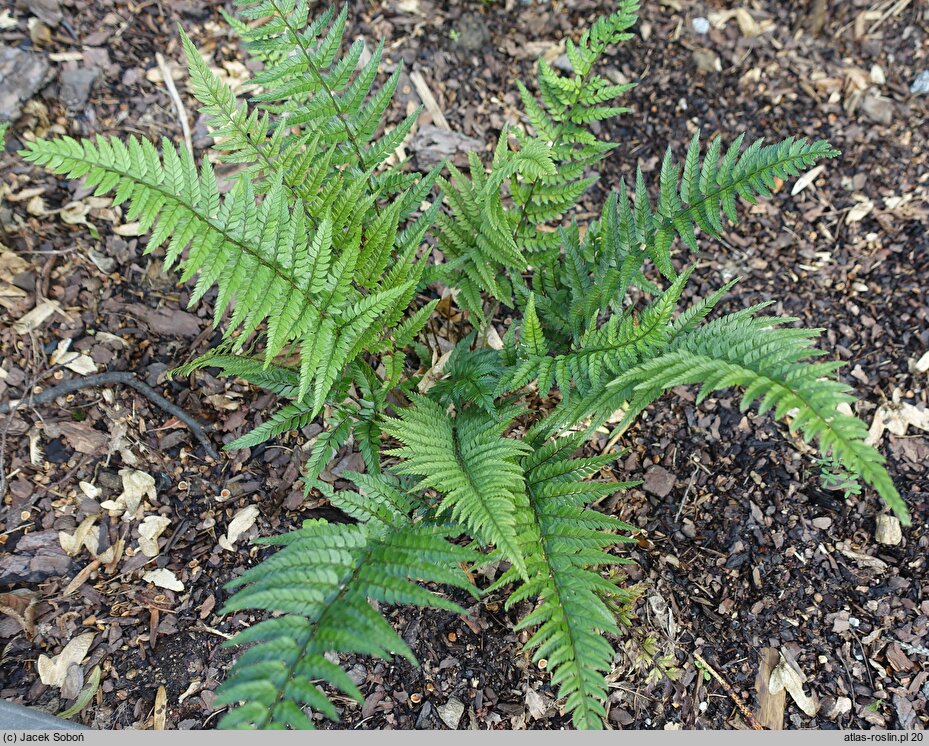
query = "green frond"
x=320 y=585
x=771 y=363
x=565 y=545
x=466 y=460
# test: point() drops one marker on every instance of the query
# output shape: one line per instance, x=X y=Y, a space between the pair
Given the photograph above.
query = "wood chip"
x=770 y=712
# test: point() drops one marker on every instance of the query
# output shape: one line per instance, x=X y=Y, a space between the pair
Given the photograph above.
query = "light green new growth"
x=317 y=264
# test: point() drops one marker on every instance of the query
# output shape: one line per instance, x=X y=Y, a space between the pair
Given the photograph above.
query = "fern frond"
x=565 y=544
x=600 y=355
x=698 y=195
x=261 y=255
x=771 y=363
x=321 y=583
x=467 y=460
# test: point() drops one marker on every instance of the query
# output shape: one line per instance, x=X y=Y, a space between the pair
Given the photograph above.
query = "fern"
x=466 y=460
x=564 y=544
x=320 y=584
x=317 y=265
x=772 y=364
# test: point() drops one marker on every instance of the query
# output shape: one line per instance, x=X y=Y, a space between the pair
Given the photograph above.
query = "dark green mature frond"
x=565 y=545
x=321 y=583
x=772 y=363
x=466 y=460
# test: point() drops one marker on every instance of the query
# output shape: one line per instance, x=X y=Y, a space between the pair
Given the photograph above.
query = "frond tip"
x=771 y=363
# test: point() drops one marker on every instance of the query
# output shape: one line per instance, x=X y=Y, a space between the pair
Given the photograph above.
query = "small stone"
x=878 y=109
x=701 y=25
x=822 y=522
x=564 y=64
x=659 y=481
x=21 y=75
x=877 y=75
x=921 y=84
x=888 y=530
x=922 y=365
x=473 y=33
x=451 y=712
x=76 y=85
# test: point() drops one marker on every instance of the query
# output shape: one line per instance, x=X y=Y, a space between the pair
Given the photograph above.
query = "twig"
x=425 y=95
x=747 y=714
x=690 y=485
x=176 y=99
x=128 y=379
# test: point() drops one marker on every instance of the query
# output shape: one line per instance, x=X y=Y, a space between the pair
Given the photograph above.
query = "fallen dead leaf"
x=53 y=671
x=136 y=485
x=19 y=605
x=163 y=578
x=804 y=181
x=896 y=417
x=865 y=561
x=240 y=523
x=82 y=537
x=161 y=708
x=787 y=676
x=36 y=317
x=149 y=531
x=861 y=210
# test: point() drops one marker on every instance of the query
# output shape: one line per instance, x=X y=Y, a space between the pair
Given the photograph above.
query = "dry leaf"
x=896 y=417
x=81 y=537
x=804 y=181
x=74 y=213
x=865 y=561
x=128 y=229
x=432 y=376
x=161 y=708
x=53 y=671
x=785 y=676
x=240 y=523
x=36 y=317
x=861 y=210
x=136 y=485
x=163 y=578
x=149 y=531
x=19 y=605
x=536 y=704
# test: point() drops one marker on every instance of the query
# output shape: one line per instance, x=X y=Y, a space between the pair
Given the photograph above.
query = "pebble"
x=823 y=522
x=921 y=84
x=21 y=75
x=451 y=712
x=878 y=109
x=76 y=85
x=659 y=481
x=701 y=25
x=887 y=530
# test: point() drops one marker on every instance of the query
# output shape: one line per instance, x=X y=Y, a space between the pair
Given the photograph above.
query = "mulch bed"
x=741 y=547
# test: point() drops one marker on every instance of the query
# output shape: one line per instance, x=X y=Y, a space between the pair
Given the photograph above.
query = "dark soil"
x=741 y=547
